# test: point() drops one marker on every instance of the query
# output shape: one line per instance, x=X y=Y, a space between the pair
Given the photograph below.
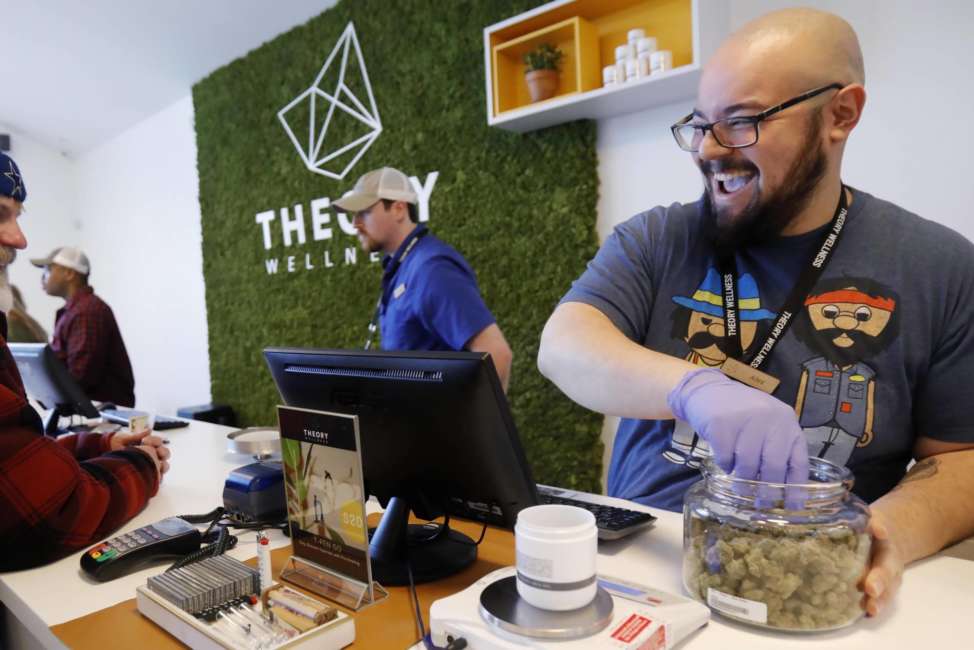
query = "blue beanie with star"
x=11 y=182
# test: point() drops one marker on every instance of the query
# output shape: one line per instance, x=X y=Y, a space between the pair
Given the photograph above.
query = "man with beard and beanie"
x=775 y=208
x=429 y=299
x=86 y=335
x=58 y=496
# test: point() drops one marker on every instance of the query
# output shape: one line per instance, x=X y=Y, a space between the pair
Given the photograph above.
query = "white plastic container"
x=646 y=44
x=661 y=61
x=556 y=549
x=627 y=51
x=635 y=34
x=620 y=67
x=608 y=75
x=632 y=69
x=644 y=64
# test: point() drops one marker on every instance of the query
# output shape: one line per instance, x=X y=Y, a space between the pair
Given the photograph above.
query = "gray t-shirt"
x=881 y=353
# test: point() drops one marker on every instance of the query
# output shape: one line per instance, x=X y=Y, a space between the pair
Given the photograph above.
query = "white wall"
x=912 y=147
x=138 y=203
x=49 y=220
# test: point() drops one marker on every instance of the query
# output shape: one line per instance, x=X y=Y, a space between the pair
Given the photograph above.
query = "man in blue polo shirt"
x=430 y=299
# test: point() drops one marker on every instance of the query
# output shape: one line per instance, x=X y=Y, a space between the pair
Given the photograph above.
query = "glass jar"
x=775 y=556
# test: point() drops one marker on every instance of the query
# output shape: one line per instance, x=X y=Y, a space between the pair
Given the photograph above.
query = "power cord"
x=441 y=529
x=224 y=542
x=452 y=643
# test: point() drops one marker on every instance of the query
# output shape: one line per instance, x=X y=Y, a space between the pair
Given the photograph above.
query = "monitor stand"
x=431 y=555
x=54 y=417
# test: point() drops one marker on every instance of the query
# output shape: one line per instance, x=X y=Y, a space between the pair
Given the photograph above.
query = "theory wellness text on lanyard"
x=748 y=371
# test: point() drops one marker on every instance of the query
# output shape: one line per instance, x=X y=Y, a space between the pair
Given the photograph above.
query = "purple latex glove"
x=753 y=435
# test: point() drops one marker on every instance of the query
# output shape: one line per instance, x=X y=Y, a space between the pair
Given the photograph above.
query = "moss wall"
x=521 y=208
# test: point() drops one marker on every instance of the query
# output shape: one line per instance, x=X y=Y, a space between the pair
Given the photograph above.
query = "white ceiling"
x=78 y=73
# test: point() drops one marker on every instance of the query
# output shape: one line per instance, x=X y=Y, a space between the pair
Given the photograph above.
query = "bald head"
x=792 y=50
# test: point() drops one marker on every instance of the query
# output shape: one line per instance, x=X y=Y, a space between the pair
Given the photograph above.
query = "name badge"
x=398 y=291
x=750 y=376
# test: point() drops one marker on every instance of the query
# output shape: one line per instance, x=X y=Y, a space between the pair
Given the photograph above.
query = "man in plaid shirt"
x=86 y=336
x=58 y=496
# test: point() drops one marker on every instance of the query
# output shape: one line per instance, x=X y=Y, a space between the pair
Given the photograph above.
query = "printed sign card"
x=325 y=492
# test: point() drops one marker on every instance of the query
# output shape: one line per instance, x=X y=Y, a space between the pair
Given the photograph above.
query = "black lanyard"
x=809 y=276
x=390 y=273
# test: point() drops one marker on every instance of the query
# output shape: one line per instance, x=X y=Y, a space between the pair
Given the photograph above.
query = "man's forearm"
x=492 y=341
x=932 y=506
x=593 y=363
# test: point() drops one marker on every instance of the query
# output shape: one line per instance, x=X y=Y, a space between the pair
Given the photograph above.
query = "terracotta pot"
x=542 y=84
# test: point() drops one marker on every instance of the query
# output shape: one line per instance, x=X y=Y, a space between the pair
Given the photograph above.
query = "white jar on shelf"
x=620 y=67
x=632 y=69
x=608 y=75
x=627 y=51
x=646 y=44
x=634 y=35
x=661 y=61
x=644 y=64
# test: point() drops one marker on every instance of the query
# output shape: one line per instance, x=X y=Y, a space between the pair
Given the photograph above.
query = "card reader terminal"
x=164 y=540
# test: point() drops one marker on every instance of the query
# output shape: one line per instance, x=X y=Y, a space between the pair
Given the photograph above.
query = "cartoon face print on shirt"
x=846 y=321
x=698 y=320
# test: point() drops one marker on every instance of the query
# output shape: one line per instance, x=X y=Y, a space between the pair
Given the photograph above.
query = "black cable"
x=255 y=525
x=452 y=643
x=483 y=532
x=415 y=597
x=212 y=515
x=224 y=542
x=441 y=530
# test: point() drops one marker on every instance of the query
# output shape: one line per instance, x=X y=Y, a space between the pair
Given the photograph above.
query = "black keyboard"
x=611 y=521
x=159 y=423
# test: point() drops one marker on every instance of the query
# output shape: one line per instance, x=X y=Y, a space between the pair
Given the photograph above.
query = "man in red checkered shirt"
x=59 y=496
x=86 y=335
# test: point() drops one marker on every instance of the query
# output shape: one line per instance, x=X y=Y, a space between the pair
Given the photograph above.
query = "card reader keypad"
x=167 y=538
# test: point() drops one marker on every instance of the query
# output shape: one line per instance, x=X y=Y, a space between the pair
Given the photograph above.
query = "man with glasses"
x=429 y=298
x=775 y=107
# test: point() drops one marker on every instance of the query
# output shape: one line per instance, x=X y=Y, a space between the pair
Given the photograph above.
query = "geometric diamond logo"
x=330 y=105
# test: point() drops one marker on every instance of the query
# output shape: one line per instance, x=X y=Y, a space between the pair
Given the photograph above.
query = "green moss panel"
x=520 y=208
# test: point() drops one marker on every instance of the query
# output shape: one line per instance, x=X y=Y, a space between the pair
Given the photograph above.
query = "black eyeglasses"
x=735 y=132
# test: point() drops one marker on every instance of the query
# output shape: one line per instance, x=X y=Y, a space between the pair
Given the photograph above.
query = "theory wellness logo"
x=295 y=232
x=330 y=102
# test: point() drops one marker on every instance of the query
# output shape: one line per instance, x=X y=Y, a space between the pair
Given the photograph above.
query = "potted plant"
x=542 y=71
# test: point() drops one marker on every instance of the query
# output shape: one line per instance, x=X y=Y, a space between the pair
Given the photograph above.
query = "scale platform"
x=624 y=616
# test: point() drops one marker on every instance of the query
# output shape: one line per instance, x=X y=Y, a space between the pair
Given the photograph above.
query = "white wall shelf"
x=694 y=30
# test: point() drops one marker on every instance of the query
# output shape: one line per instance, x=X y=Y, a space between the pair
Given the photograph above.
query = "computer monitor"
x=49 y=382
x=437 y=437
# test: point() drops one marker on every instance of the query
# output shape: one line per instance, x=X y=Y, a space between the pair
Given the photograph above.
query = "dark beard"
x=762 y=221
x=864 y=346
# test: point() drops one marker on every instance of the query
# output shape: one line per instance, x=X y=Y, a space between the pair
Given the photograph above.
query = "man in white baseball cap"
x=86 y=335
x=67 y=256
x=430 y=299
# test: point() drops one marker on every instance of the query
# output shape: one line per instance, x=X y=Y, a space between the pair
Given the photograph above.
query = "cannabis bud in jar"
x=784 y=557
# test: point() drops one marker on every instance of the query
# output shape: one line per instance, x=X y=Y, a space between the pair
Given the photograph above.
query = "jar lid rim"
x=839 y=476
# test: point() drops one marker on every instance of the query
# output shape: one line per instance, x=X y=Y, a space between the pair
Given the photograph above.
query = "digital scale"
x=490 y=615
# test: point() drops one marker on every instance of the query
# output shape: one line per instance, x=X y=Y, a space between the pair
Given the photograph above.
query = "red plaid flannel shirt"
x=87 y=340
x=59 y=496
